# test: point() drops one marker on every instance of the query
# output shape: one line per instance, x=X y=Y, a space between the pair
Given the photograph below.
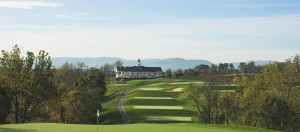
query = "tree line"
x=32 y=90
x=270 y=99
x=222 y=68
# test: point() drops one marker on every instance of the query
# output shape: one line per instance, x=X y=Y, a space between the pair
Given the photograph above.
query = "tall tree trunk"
x=17 y=109
x=209 y=110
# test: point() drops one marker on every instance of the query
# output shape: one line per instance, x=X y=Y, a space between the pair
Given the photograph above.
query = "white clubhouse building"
x=138 y=72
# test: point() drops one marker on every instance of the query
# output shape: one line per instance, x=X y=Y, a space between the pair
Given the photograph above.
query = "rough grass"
x=109 y=113
x=182 y=127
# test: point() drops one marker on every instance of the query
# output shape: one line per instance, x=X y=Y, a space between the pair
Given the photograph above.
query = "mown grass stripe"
x=187 y=83
x=168 y=118
x=151 y=89
x=152 y=97
x=159 y=107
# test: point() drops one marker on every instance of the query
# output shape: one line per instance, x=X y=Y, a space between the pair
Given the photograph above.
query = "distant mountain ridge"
x=173 y=63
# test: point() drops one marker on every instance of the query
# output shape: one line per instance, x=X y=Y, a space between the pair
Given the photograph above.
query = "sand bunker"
x=175 y=90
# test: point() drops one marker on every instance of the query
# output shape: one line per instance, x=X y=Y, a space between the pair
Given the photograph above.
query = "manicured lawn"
x=109 y=113
x=175 y=83
x=151 y=89
x=152 y=98
x=182 y=127
x=159 y=107
x=169 y=118
x=155 y=103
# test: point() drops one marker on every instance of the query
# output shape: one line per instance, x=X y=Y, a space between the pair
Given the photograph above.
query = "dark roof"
x=139 y=69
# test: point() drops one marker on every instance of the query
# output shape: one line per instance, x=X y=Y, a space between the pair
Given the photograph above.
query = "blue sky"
x=215 y=30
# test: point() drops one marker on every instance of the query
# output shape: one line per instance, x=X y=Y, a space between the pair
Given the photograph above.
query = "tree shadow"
x=15 y=130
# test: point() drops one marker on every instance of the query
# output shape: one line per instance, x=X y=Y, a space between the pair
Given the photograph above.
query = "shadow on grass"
x=15 y=130
x=155 y=102
x=110 y=117
x=140 y=115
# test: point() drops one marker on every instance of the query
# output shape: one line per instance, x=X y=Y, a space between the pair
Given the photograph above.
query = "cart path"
x=113 y=95
x=125 y=117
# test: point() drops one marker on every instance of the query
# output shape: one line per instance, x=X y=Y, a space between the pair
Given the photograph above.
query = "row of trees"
x=109 y=70
x=32 y=90
x=222 y=68
x=270 y=100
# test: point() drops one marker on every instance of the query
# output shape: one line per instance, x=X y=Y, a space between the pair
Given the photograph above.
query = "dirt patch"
x=175 y=90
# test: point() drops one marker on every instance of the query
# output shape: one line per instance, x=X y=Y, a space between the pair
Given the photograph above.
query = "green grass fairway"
x=175 y=83
x=169 y=118
x=183 y=127
x=151 y=89
x=159 y=107
x=152 y=98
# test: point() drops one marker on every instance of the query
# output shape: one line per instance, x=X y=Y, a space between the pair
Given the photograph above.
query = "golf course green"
x=156 y=105
x=181 y=127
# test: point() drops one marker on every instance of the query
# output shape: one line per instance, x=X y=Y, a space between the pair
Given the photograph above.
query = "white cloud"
x=259 y=5
x=39 y=15
x=83 y=14
x=218 y=40
x=29 y=4
x=62 y=15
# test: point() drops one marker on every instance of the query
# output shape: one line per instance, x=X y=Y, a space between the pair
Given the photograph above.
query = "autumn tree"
x=271 y=100
x=108 y=70
x=168 y=73
x=91 y=89
x=118 y=63
x=5 y=99
x=65 y=79
x=15 y=71
x=28 y=82
x=205 y=98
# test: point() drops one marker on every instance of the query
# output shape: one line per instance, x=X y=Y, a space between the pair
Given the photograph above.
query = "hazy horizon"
x=166 y=58
x=218 y=31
